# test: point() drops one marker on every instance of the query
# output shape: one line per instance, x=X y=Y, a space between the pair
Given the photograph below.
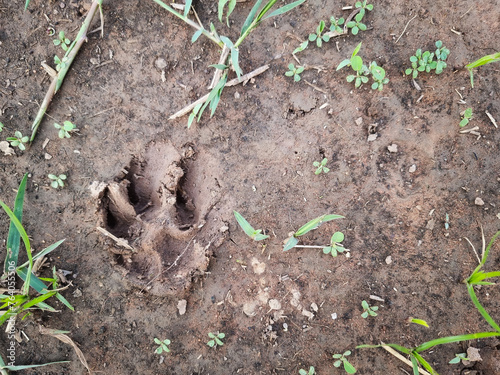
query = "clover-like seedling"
x=335 y=24
x=356 y=25
x=18 y=140
x=163 y=346
x=466 y=117
x=356 y=63
x=421 y=62
x=378 y=75
x=216 y=339
x=65 y=129
x=294 y=72
x=60 y=64
x=57 y=181
x=335 y=244
x=305 y=372
x=321 y=167
x=319 y=37
x=311 y=225
x=364 y=6
x=459 y=357
x=341 y=359
x=368 y=310
x=248 y=229
x=62 y=41
x=442 y=54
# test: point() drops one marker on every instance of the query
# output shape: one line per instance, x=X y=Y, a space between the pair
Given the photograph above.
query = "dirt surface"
x=170 y=192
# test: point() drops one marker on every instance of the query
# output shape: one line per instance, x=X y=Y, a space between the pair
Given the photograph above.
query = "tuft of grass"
x=488 y=59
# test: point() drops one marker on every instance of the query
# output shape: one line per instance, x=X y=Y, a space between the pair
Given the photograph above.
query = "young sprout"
x=459 y=357
x=341 y=359
x=65 y=129
x=248 y=229
x=356 y=63
x=418 y=321
x=364 y=6
x=378 y=75
x=320 y=167
x=57 y=181
x=368 y=310
x=441 y=55
x=62 y=41
x=60 y=64
x=466 y=117
x=294 y=72
x=335 y=24
x=300 y=48
x=18 y=140
x=488 y=59
x=319 y=37
x=311 y=225
x=163 y=346
x=305 y=372
x=216 y=339
x=335 y=244
x=357 y=25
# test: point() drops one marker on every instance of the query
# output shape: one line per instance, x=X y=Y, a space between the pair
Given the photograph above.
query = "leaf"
x=356 y=63
x=245 y=225
x=289 y=74
x=260 y=237
x=420 y=322
x=234 y=61
x=343 y=64
x=349 y=368
x=355 y=30
x=464 y=122
x=284 y=9
x=327 y=250
x=468 y=113
x=24 y=367
x=227 y=42
x=313 y=224
x=250 y=17
x=337 y=237
x=302 y=47
x=222 y=3
x=230 y=8
x=196 y=35
x=291 y=243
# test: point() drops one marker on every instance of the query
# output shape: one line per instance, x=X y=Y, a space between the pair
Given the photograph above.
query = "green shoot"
x=466 y=117
x=335 y=244
x=341 y=359
x=459 y=357
x=356 y=63
x=424 y=61
x=216 y=339
x=305 y=372
x=319 y=37
x=357 y=25
x=364 y=6
x=65 y=129
x=488 y=59
x=378 y=75
x=321 y=167
x=418 y=321
x=294 y=72
x=230 y=8
x=57 y=181
x=62 y=41
x=309 y=226
x=18 y=140
x=248 y=229
x=368 y=310
x=441 y=55
x=335 y=24
x=162 y=346
x=300 y=48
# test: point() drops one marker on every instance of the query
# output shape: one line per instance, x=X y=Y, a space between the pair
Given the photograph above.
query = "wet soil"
x=170 y=192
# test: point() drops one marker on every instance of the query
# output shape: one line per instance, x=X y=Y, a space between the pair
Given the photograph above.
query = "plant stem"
x=310 y=246
x=70 y=56
x=190 y=23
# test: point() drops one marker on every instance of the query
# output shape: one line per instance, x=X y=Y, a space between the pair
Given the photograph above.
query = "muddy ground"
x=170 y=191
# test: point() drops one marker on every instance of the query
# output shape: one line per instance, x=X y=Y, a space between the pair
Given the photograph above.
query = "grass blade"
x=481 y=309
x=414 y=363
x=14 y=237
x=284 y=9
x=424 y=363
x=222 y=3
x=45 y=251
x=315 y=223
x=235 y=62
x=38 y=299
x=26 y=4
x=450 y=339
x=187 y=7
x=245 y=225
x=24 y=367
x=250 y=17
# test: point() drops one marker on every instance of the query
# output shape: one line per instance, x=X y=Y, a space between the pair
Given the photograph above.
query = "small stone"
x=237 y=95
x=47 y=156
x=160 y=63
x=62 y=5
x=430 y=224
x=334 y=316
x=308 y=314
x=359 y=121
x=314 y=307
x=479 y=202
x=393 y=148
x=224 y=229
x=412 y=169
x=181 y=306
x=274 y=304
x=388 y=260
x=94 y=61
x=372 y=137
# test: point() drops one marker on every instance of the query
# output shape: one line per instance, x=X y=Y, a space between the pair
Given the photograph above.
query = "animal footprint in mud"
x=161 y=205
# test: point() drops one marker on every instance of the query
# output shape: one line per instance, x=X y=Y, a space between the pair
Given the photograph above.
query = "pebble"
x=412 y=169
x=479 y=202
x=161 y=63
x=388 y=260
x=393 y=148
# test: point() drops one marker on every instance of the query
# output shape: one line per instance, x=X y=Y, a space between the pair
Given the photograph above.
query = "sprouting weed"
x=62 y=41
x=368 y=310
x=466 y=117
x=319 y=37
x=335 y=24
x=335 y=244
x=163 y=346
x=216 y=339
x=341 y=359
x=294 y=72
x=18 y=140
x=311 y=371
x=57 y=181
x=65 y=129
x=356 y=25
x=321 y=167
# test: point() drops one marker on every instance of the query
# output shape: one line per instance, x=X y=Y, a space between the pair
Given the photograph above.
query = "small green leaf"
x=211 y=343
x=468 y=113
x=420 y=322
x=349 y=368
x=464 y=122
x=337 y=237
x=291 y=243
x=196 y=35
x=343 y=64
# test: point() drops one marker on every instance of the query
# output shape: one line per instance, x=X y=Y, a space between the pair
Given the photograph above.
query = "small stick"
x=463 y=15
x=492 y=119
x=234 y=82
x=397 y=40
x=119 y=241
x=474 y=249
x=316 y=87
x=401 y=358
x=310 y=246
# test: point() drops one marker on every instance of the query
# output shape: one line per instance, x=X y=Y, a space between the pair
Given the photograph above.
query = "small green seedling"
x=442 y=54
x=356 y=63
x=364 y=6
x=418 y=321
x=480 y=62
x=62 y=41
x=294 y=72
x=319 y=37
x=300 y=48
x=65 y=129
x=163 y=346
x=424 y=61
x=60 y=64
x=466 y=117
x=368 y=310
x=310 y=372
x=248 y=229
x=459 y=357
x=1 y=127
x=216 y=339
x=341 y=359
x=321 y=167
x=311 y=225
x=230 y=8
x=335 y=24
x=18 y=140
x=378 y=75
x=57 y=181
x=357 y=25
x=335 y=244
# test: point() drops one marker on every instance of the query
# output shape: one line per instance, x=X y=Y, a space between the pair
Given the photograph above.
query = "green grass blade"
x=14 y=238
x=220 y=12
x=284 y=9
x=250 y=17
x=45 y=251
x=400 y=348
x=38 y=299
x=2 y=366
x=46 y=307
x=24 y=367
x=245 y=225
x=481 y=309
x=487 y=251
x=414 y=363
x=235 y=62
x=187 y=7
x=424 y=363
x=484 y=60
x=313 y=224
x=450 y=339
x=26 y=4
